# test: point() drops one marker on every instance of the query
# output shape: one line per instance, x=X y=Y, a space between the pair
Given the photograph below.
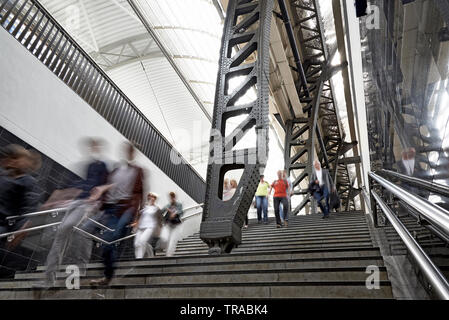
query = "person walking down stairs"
x=172 y=215
x=262 y=200
x=284 y=218
x=280 y=187
x=320 y=184
x=148 y=226
x=121 y=200
x=17 y=190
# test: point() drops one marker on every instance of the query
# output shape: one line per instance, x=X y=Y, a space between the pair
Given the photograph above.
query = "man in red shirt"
x=280 y=187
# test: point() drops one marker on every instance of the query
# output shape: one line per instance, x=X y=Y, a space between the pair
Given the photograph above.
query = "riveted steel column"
x=244 y=52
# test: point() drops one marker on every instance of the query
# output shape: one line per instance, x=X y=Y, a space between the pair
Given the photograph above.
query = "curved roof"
x=113 y=35
x=174 y=87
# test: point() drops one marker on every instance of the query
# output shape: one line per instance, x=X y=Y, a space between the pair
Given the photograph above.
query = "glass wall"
x=405 y=51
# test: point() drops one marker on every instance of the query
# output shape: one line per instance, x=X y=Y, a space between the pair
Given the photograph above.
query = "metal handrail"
x=131 y=235
x=431 y=228
x=191 y=215
x=433 y=274
x=91 y=235
x=37 y=213
x=438 y=216
x=193 y=207
x=8 y=234
x=101 y=225
x=122 y=239
x=438 y=188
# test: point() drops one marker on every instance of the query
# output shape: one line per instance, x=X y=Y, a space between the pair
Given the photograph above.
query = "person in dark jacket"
x=97 y=171
x=77 y=210
x=320 y=186
x=18 y=194
x=173 y=213
x=122 y=197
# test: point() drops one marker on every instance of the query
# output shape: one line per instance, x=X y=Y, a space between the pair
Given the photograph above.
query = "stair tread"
x=324 y=258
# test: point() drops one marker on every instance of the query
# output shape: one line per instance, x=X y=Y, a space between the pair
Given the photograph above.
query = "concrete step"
x=323 y=224
x=316 y=221
x=304 y=255
x=323 y=243
x=310 y=223
x=279 y=244
x=269 y=275
x=280 y=248
x=284 y=239
x=320 y=289
x=225 y=266
x=312 y=258
x=401 y=249
x=291 y=235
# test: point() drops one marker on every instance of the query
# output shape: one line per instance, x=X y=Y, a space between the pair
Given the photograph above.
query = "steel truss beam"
x=244 y=52
x=329 y=136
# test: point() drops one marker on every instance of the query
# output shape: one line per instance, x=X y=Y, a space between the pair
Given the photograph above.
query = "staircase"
x=311 y=258
x=435 y=248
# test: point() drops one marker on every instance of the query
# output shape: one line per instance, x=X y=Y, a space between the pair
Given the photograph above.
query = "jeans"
x=142 y=247
x=319 y=196
x=66 y=237
x=262 y=204
x=277 y=201
x=118 y=223
x=281 y=210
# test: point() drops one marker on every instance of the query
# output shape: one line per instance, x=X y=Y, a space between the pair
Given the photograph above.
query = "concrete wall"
x=40 y=109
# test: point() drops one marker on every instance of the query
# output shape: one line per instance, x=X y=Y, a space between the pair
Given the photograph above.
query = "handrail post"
x=373 y=203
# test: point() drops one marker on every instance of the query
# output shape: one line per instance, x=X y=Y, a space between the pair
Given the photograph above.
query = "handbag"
x=334 y=201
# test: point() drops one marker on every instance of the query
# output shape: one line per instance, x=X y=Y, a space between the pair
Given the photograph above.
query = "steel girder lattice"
x=300 y=136
x=244 y=52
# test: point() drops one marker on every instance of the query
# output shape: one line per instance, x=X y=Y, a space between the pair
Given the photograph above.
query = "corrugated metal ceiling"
x=113 y=35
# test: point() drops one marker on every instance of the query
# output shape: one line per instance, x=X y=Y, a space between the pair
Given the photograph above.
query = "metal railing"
x=100 y=225
x=193 y=214
x=53 y=212
x=13 y=233
x=432 y=273
x=182 y=219
x=12 y=219
x=437 y=188
x=422 y=209
x=436 y=215
x=414 y=213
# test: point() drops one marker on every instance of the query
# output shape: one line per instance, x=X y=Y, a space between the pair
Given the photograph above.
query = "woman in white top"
x=148 y=225
x=230 y=192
